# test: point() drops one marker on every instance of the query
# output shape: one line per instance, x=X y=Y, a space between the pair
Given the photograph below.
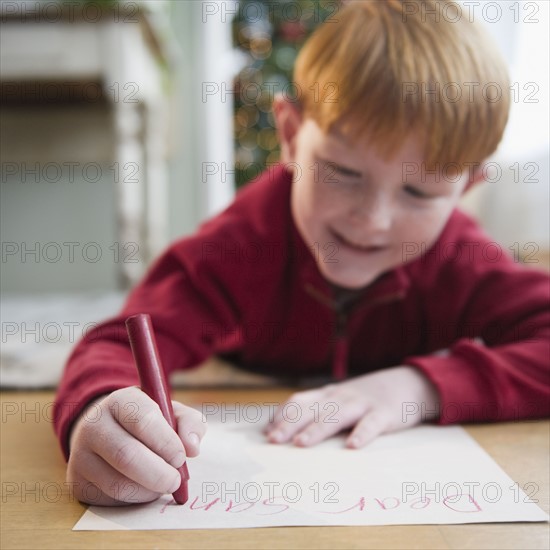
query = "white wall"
x=202 y=183
x=514 y=207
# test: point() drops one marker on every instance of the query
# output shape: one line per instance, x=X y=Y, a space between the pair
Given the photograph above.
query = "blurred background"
x=125 y=124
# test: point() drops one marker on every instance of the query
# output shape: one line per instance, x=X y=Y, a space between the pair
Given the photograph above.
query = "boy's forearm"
x=478 y=383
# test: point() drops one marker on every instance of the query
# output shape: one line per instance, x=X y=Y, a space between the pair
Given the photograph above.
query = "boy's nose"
x=374 y=213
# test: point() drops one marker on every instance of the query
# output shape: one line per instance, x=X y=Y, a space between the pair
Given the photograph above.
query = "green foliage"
x=271 y=33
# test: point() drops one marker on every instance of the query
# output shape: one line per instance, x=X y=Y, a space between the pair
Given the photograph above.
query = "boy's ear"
x=288 y=119
x=476 y=176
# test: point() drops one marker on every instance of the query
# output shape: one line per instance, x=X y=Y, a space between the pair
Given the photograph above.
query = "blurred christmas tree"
x=271 y=34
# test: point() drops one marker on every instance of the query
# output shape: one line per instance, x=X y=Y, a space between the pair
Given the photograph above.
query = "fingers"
x=141 y=417
x=98 y=483
x=316 y=417
x=191 y=427
x=294 y=407
x=291 y=417
x=328 y=425
x=373 y=424
x=132 y=458
x=128 y=452
x=133 y=440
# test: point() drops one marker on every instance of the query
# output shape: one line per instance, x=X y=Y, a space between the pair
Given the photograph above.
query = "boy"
x=348 y=259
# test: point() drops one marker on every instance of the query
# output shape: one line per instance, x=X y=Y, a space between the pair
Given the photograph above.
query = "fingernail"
x=276 y=436
x=194 y=438
x=353 y=442
x=178 y=459
x=302 y=439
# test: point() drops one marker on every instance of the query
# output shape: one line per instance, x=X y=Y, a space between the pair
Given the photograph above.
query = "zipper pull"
x=340 y=358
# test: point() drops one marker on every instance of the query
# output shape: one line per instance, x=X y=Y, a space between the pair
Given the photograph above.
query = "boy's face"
x=356 y=211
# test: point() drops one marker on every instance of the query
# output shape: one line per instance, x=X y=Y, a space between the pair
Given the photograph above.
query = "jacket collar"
x=390 y=286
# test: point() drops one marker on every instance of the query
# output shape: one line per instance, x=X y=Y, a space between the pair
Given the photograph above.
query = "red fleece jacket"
x=247 y=288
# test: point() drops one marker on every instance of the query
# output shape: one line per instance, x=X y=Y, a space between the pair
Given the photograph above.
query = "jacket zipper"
x=341 y=348
x=341 y=344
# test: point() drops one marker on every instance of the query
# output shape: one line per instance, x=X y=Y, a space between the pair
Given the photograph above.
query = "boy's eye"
x=345 y=171
x=416 y=193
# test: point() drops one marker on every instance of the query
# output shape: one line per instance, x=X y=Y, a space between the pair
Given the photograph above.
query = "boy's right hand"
x=123 y=451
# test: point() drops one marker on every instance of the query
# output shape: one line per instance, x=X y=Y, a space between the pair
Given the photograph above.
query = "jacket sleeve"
x=185 y=300
x=498 y=365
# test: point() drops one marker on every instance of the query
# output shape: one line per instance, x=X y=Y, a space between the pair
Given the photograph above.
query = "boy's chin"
x=348 y=279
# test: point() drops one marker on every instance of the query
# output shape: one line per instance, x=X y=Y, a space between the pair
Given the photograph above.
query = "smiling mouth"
x=358 y=247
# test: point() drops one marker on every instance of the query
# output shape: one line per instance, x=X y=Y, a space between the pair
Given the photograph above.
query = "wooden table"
x=39 y=512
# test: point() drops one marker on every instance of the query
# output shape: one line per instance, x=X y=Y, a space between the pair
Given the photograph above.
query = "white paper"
x=423 y=475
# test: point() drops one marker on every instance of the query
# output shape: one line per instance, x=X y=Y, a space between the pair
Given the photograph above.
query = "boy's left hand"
x=371 y=404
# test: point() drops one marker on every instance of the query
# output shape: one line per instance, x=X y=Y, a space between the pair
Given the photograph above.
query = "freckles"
x=430 y=228
x=428 y=222
x=318 y=208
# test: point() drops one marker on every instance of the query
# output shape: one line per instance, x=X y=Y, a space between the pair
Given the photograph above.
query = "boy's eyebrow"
x=349 y=171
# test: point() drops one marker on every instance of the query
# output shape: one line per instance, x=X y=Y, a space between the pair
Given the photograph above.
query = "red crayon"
x=153 y=381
